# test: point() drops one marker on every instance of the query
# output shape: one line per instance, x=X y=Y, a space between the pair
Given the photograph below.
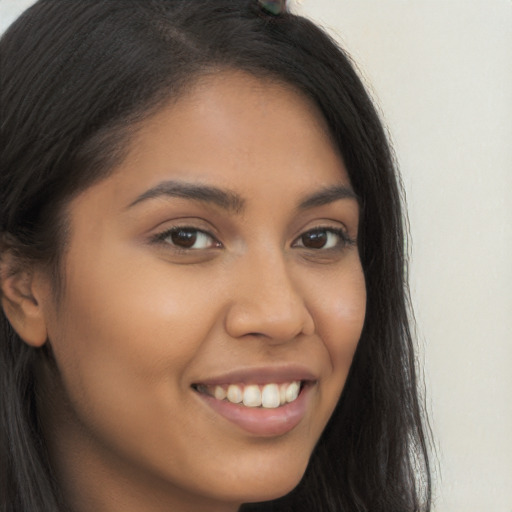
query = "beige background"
x=441 y=72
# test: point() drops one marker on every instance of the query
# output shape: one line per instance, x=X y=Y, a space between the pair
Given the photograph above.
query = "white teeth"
x=234 y=394
x=293 y=391
x=282 y=393
x=252 y=396
x=270 y=396
x=219 y=393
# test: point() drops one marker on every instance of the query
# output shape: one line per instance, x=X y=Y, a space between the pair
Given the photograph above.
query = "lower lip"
x=260 y=421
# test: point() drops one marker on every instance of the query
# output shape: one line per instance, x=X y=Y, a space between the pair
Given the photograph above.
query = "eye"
x=323 y=238
x=189 y=238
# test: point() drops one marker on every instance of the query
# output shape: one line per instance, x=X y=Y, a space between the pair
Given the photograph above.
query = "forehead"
x=235 y=131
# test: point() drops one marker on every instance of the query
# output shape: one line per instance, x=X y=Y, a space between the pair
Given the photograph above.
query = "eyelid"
x=341 y=231
x=161 y=237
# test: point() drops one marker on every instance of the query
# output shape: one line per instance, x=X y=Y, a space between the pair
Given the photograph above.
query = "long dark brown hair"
x=75 y=77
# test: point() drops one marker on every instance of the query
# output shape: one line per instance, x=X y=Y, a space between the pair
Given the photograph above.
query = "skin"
x=141 y=320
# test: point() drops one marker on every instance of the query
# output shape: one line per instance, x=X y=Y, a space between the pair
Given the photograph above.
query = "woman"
x=202 y=267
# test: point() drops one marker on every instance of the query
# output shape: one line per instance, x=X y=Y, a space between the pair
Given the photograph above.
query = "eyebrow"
x=232 y=202
x=328 y=195
x=204 y=193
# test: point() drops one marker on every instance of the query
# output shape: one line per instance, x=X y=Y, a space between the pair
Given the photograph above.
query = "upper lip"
x=261 y=375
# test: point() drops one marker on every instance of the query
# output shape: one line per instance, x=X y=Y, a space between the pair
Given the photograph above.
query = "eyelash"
x=162 y=238
x=344 y=239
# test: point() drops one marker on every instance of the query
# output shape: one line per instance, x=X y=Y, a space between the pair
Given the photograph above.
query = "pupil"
x=184 y=238
x=315 y=240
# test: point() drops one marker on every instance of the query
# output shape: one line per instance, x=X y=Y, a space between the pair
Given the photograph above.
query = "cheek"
x=340 y=313
x=142 y=310
x=124 y=342
x=126 y=336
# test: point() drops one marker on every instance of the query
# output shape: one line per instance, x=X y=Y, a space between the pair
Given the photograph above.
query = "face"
x=220 y=258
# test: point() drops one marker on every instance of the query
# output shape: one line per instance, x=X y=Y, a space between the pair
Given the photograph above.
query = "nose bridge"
x=267 y=301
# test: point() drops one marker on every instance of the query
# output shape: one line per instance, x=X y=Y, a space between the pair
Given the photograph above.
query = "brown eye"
x=314 y=239
x=322 y=238
x=184 y=238
x=190 y=238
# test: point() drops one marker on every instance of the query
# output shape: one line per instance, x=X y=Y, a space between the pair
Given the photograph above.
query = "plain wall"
x=441 y=72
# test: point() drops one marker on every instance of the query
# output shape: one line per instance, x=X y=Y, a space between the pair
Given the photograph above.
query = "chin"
x=269 y=484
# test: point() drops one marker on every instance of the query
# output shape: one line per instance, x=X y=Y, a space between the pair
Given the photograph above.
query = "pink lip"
x=260 y=421
x=261 y=375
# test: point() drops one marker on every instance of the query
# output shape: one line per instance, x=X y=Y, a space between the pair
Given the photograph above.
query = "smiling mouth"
x=266 y=396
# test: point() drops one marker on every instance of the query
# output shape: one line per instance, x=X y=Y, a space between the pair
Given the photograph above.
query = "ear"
x=21 y=300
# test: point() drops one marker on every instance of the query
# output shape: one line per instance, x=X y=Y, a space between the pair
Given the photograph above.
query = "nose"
x=267 y=302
